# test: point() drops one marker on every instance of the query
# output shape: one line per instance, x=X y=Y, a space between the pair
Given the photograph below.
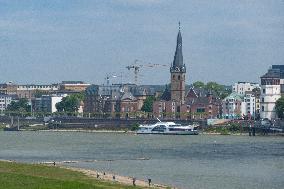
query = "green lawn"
x=30 y=176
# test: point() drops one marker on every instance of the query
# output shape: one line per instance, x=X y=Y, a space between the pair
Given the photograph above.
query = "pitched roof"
x=272 y=73
x=92 y=90
x=234 y=95
x=127 y=95
x=166 y=94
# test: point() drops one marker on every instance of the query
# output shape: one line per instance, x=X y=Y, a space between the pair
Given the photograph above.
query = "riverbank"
x=15 y=175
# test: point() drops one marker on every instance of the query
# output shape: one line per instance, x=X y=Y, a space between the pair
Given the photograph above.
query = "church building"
x=172 y=99
x=175 y=103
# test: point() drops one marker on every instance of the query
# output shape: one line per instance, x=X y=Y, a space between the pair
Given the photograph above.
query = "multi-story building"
x=165 y=108
x=47 y=103
x=30 y=91
x=8 y=88
x=117 y=99
x=270 y=91
x=233 y=106
x=243 y=87
x=281 y=68
x=202 y=104
x=75 y=86
x=249 y=105
x=5 y=100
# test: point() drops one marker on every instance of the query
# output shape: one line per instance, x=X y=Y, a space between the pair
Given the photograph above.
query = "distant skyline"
x=226 y=41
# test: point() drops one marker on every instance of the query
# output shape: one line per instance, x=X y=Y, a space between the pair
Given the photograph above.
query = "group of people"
x=133 y=179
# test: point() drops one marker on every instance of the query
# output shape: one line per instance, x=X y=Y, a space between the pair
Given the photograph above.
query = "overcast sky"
x=47 y=41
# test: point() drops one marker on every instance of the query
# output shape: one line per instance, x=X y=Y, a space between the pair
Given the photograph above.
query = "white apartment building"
x=270 y=93
x=242 y=87
x=5 y=100
x=249 y=104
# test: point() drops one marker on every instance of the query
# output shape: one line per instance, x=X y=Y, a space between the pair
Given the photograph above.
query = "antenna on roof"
x=158 y=119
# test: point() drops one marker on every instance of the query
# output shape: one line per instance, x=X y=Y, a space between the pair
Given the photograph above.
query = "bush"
x=135 y=127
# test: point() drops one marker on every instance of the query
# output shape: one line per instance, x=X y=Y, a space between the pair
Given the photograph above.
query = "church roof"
x=166 y=94
x=178 y=59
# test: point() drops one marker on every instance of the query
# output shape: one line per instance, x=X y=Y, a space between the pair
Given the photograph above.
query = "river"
x=194 y=162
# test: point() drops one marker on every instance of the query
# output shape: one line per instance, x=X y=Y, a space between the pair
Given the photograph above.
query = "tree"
x=198 y=84
x=70 y=103
x=19 y=106
x=279 y=107
x=148 y=104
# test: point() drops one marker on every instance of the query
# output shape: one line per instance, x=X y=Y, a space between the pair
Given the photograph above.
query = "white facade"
x=5 y=100
x=53 y=101
x=242 y=87
x=249 y=105
x=47 y=103
x=33 y=87
x=269 y=95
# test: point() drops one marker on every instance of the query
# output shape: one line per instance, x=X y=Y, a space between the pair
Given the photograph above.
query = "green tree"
x=70 y=103
x=218 y=89
x=279 y=107
x=198 y=84
x=148 y=104
x=20 y=106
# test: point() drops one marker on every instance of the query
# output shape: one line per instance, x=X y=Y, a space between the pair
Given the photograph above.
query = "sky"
x=48 y=41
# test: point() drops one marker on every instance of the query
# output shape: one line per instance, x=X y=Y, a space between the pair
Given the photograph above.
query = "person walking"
x=133 y=181
x=149 y=181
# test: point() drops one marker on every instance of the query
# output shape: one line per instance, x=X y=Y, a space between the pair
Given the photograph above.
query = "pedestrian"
x=133 y=181
x=54 y=163
x=104 y=173
x=113 y=177
x=149 y=181
x=98 y=175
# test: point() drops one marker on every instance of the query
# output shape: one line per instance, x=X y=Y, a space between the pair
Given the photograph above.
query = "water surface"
x=196 y=162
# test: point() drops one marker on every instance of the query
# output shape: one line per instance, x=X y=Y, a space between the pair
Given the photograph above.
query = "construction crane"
x=109 y=76
x=136 y=67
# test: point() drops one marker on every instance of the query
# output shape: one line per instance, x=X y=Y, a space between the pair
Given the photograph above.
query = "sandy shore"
x=118 y=178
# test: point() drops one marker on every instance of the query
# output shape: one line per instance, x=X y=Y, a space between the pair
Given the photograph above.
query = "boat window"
x=177 y=129
x=160 y=128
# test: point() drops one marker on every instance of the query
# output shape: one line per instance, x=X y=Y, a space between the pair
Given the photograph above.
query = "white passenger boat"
x=168 y=128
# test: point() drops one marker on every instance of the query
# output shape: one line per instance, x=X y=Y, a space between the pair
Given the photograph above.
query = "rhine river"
x=194 y=162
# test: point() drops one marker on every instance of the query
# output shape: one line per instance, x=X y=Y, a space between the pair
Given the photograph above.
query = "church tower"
x=178 y=71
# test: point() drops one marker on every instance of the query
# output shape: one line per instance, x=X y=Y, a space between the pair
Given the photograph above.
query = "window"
x=159 y=128
x=179 y=77
x=262 y=100
x=262 y=108
x=263 y=91
x=200 y=110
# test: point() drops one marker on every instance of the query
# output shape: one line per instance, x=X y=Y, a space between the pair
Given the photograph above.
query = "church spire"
x=178 y=58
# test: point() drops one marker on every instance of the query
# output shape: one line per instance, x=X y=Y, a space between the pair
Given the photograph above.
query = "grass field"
x=31 y=176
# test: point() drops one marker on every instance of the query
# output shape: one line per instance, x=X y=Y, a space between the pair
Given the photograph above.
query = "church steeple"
x=178 y=58
x=178 y=71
